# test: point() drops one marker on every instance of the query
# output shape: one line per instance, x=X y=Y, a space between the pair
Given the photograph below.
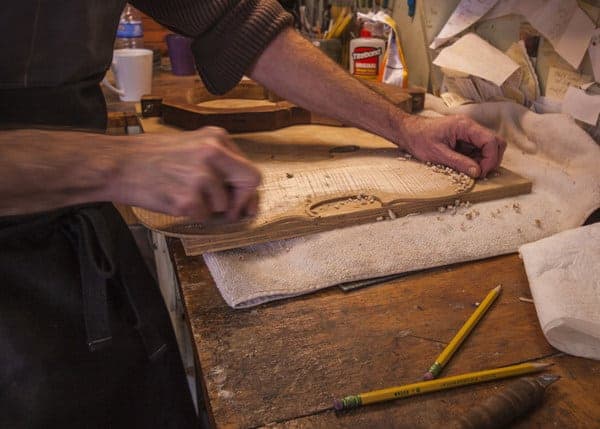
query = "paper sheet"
x=594 y=51
x=562 y=22
x=466 y=14
x=528 y=85
x=566 y=26
x=473 y=55
x=564 y=278
x=560 y=80
x=581 y=106
x=488 y=90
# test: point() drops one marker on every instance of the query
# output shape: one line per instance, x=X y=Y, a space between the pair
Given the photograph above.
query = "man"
x=84 y=337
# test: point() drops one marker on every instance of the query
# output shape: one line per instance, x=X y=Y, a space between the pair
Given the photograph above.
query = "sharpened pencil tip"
x=428 y=376
x=498 y=288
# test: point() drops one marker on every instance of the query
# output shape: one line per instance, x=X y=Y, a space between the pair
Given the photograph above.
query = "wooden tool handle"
x=499 y=410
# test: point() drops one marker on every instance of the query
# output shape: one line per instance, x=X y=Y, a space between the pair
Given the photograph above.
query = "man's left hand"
x=456 y=141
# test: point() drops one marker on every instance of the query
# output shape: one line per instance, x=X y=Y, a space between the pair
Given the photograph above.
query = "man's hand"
x=455 y=141
x=195 y=174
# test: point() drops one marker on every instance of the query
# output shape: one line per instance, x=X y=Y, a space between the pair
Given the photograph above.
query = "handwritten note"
x=560 y=80
x=466 y=14
x=581 y=106
x=567 y=27
x=562 y=22
x=594 y=51
x=474 y=56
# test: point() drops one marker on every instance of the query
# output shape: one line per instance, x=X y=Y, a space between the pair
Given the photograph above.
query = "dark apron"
x=85 y=339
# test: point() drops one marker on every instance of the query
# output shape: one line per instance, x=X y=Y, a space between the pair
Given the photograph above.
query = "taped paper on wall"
x=560 y=80
x=594 y=51
x=474 y=56
x=529 y=84
x=581 y=106
x=562 y=22
x=466 y=14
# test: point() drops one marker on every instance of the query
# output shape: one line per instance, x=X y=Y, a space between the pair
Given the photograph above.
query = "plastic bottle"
x=366 y=55
x=130 y=33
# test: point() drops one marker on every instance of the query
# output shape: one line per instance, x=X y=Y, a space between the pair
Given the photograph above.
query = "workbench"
x=282 y=364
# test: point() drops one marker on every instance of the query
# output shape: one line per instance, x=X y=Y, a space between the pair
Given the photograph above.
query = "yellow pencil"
x=466 y=329
x=434 y=385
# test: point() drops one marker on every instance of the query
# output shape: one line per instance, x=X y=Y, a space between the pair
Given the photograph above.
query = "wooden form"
x=313 y=182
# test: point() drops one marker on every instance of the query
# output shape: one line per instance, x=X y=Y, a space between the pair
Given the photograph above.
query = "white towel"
x=551 y=150
x=564 y=277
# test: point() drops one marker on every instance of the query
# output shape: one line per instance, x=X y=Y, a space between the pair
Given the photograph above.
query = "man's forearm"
x=42 y=170
x=296 y=71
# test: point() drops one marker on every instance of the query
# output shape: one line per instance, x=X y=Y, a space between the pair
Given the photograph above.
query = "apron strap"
x=90 y=236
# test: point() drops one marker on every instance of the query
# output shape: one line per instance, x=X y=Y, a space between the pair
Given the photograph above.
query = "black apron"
x=85 y=339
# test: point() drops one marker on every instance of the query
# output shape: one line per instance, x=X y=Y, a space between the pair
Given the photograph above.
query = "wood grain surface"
x=281 y=364
x=318 y=178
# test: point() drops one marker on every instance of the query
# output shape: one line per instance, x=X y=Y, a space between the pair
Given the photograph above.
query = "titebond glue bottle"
x=366 y=55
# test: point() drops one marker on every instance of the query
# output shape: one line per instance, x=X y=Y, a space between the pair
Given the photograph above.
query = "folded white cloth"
x=564 y=277
x=551 y=150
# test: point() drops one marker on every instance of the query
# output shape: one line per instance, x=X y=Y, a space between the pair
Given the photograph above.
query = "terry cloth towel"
x=564 y=277
x=561 y=160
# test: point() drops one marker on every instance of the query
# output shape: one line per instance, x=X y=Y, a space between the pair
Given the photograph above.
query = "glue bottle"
x=366 y=55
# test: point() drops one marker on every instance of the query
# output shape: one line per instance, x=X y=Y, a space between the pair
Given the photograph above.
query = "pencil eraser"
x=428 y=376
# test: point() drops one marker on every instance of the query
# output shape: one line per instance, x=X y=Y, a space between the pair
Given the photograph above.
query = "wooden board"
x=321 y=178
x=284 y=362
x=188 y=109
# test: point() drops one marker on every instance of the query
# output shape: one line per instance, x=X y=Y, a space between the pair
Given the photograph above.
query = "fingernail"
x=472 y=171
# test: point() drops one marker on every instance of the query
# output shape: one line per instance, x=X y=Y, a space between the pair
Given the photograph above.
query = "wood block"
x=190 y=110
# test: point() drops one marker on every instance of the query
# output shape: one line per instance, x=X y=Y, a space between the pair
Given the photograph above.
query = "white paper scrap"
x=594 y=51
x=562 y=22
x=581 y=106
x=473 y=55
x=560 y=80
x=569 y=36
x=467 y=12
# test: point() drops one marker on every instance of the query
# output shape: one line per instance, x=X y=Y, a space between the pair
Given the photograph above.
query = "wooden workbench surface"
x=283 y=363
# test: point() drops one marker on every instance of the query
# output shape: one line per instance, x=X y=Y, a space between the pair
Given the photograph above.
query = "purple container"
x=180 y=53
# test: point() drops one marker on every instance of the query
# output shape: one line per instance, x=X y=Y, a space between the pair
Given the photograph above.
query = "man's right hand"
x=195 y=174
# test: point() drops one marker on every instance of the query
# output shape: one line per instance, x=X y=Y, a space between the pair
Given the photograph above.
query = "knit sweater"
x=228 y=35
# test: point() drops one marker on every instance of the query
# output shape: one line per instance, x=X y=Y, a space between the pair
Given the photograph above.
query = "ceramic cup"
x=133 y=73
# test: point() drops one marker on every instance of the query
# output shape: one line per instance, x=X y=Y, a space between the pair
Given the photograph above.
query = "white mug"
x=133 y=73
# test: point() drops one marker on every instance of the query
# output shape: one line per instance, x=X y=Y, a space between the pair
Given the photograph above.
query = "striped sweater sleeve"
x=228 y=35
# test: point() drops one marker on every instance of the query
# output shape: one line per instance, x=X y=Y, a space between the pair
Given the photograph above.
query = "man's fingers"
x=223 y=137
x=236 y=170
x=491 y=146
x=252 y=206
x=241 y=201
x=459 y=162
x=215 y=195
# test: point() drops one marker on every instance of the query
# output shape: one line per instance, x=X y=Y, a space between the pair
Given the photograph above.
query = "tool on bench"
x=517 y=399
x=422 y=387
x=502 y=408
x=463 y=333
